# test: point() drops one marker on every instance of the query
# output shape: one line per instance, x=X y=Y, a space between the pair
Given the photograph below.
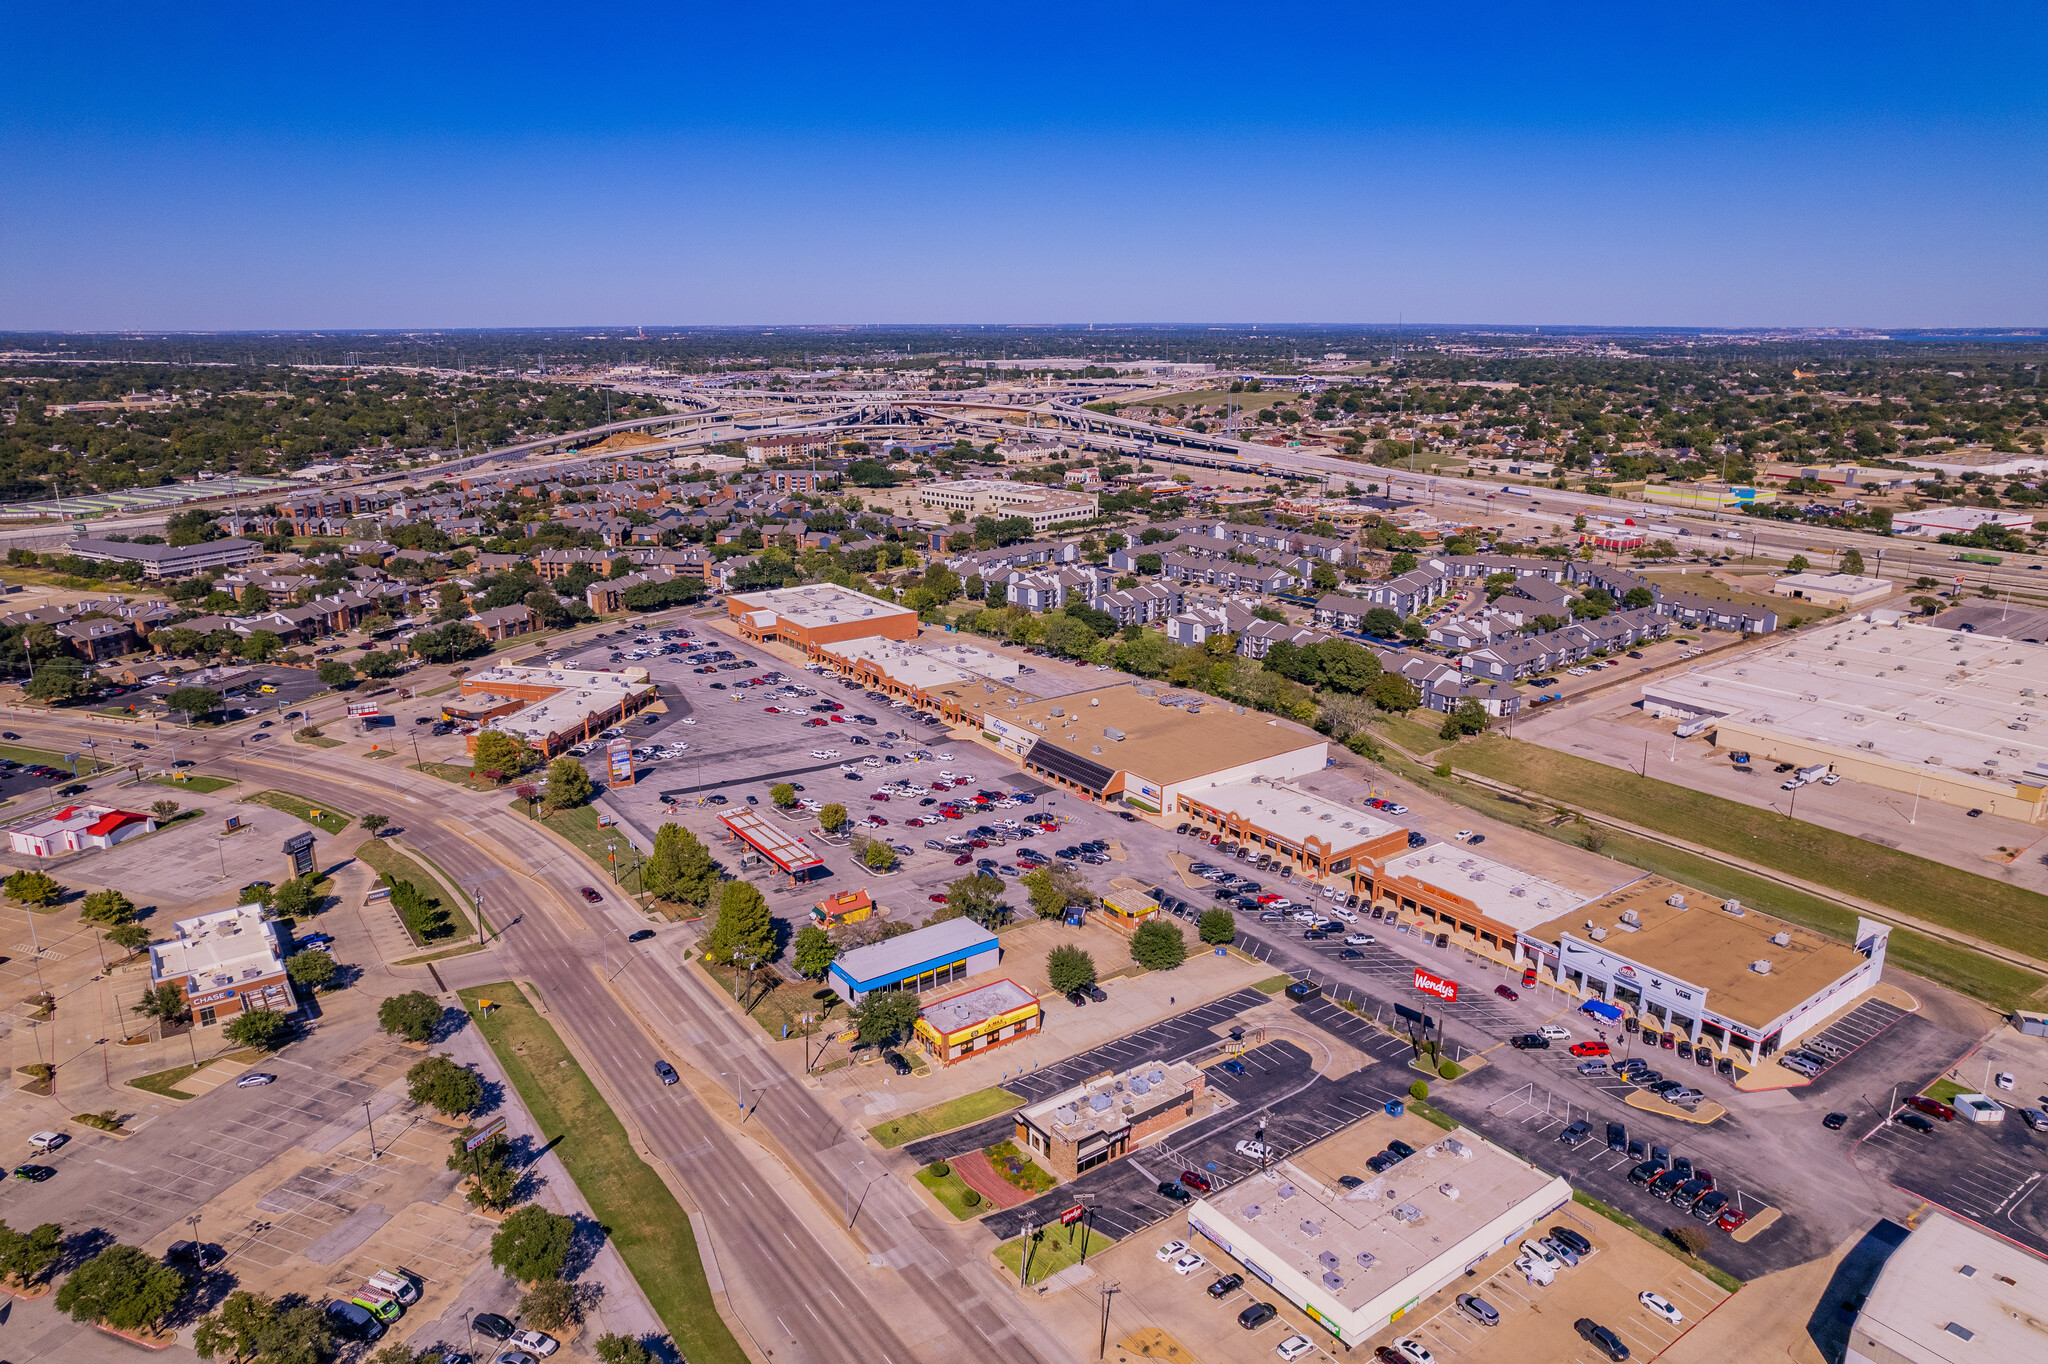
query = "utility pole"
x=1108 y=1291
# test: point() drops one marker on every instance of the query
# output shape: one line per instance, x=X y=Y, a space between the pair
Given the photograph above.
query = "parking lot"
x=1990 y=1173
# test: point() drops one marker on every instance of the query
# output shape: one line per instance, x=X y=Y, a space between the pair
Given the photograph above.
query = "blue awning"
x=1601 y=1009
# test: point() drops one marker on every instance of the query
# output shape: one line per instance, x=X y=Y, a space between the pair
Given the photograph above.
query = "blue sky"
x=214 y=167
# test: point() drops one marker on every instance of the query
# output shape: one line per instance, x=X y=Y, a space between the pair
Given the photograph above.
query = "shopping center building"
x=1319 y=836
x=819 y=614
x=1463 y=899
x=1714 y=971
x=977 y=1019
x=924 y=959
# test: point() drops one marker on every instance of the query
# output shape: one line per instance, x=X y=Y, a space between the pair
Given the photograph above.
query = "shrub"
x=1692 y=1239
x=106 y=1120
x=969 y=1198
x=420 y=912
x=1450 y=1070
x=941 y=1168
x=1419 y=1091
x=263 y=1028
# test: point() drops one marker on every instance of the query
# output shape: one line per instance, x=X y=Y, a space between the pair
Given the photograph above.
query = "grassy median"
x=319 y=816
x=928 y=1122
x=650 y=1229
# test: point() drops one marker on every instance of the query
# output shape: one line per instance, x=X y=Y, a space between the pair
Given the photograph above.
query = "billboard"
x=359 y=709
x=619 y=761
x=1073 y=1215
x=484 y=1134
x=1446 y=990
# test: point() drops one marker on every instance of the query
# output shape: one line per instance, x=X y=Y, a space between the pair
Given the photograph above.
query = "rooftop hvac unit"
x=1543 y=903
x=1598 y=935
x=1781 y=939
x=1518 y=891
x=1676 y=902
x=1733 y=907
x=1762 y=966
x=1628 y=916
x=1101 y=1102
x=1115 y=734
x=1059 y=710
x=1095 y=748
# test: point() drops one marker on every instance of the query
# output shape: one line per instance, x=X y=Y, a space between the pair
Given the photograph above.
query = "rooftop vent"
x=1676 y=901
x=1598 y=935
x=1762 y=966
x=1781 y=939
x=1733 y=907
x=1138 y=1086
x=1115 y=734
x=1366 y=1259
x=1101 y=1102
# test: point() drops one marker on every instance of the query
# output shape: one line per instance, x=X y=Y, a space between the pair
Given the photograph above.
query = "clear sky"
x=213 y=166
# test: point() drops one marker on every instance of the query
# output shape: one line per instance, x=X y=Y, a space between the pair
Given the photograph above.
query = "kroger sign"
x=1435 y=985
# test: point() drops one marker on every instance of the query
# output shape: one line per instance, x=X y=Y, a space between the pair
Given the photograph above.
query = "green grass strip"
x=926 y=1122
x=646 y=1224
x=329 y=818
x=1663 y=1243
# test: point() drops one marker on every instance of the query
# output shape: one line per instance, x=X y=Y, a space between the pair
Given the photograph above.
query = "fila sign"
x=1446 y=990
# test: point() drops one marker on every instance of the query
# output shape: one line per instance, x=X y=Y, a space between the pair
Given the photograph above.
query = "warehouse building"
x=1100 y=1120
x=975 y=1020
x=821 y=613
x=1717 y=972
x=922 y=960
x=914 y=669
x=1952 y=1292
x=1136 y=744
x=1356 y=1260
x=1933 y=714
x=224 y=963
x=1320 y=837
x=1839 y=591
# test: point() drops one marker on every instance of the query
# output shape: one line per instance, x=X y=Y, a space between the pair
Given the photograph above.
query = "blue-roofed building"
x=925 y=959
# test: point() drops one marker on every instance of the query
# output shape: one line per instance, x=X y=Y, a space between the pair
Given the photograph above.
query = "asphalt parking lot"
x=1278 y=1090
x=1990 y=1173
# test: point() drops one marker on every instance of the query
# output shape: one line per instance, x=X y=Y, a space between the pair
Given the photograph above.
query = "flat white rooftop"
x=1507 y=895
x=925 y=665
x=1953 y=1293
x=1967 y=703
x=1295 y=815
x=819 y=604
x=228 y=947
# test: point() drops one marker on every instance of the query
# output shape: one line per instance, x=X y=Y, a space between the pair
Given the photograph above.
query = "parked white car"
x=1536 y=1271
x=1294 y=1347
x=1172 y=1250
x=1254 y=1150
x=1659 y=1305
x=1188 y=1264
x=1554 y=1033
x=540 y=1342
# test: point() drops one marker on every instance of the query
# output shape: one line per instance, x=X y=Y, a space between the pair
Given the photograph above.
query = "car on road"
x=1226 y=1285
x=1257 y=1315
x=641 y=936
x=1601 y=1339
x=255 y=1078
x=1294 y=1347
x=666 y=1071
x=1478 y=1309
x=1174 y=1192
x=77 y=788
x=590 y=893
x=1188 y=1264
x=1254 y=1150
x=1171 y=1251
x=540 y=1342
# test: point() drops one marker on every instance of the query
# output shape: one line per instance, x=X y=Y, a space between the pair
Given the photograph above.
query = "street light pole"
x=370 y=1127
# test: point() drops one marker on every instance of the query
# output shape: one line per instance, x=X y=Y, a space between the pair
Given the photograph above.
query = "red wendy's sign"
x=1446 y=990
x=1073 y=1215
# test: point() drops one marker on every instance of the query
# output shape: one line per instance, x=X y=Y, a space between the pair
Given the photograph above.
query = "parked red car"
x=1505 y=993
x=1589 y=1049
x=1196 y=1180
x=1933 y=1108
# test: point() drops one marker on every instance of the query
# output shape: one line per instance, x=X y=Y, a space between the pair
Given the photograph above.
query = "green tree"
x=1383 y=621
x=1852 y=562
x=32 y=888
x=25 y=1256
x=122 y=1287
x=134 y=937
x=398 y=1352
x=108 y=907
x=832 y=818
x=294 y=899
x=372 y=823
x=335 y=673
x=1052 y=888
x=884 y=1018
x=378 y=664
x=413 y=1015
x=165 y=1002
x=979 y=898
x=532 y=1244
x=1323 y=578
x=617 y=1349
x=1638 y=598
x=1393 y=692
x=59 y=679
x=1468 y=718
x=312 y=968
x=568 y=784
x=681 y=869
x=455 y=640
x=813 y=952
x=783 y=794
x=877 y=855
x=1798 y=564
x=440 y=1082
x=1217 y=927
x=194 y=701
x=1069 y=968
x=264 y=1029
x=497 y=751
x=163 y=810
x=261 y=645
x=552 y=1304
x=743 y=927
x=251 y=1327
x=1158 y=945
